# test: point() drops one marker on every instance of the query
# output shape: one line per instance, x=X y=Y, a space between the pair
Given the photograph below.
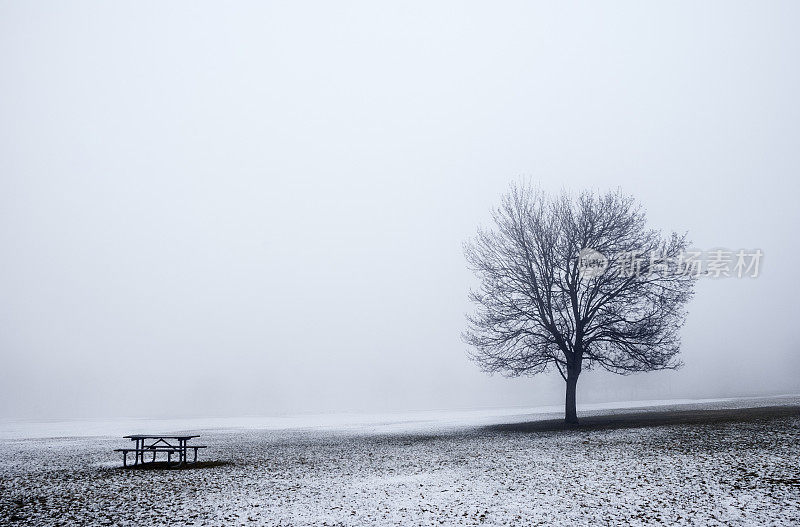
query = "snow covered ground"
x=425 y=468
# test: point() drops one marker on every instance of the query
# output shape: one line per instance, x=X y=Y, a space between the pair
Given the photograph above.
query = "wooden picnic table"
x=154 y=443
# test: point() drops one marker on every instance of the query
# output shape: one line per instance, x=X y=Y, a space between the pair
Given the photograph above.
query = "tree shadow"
x=645 y=418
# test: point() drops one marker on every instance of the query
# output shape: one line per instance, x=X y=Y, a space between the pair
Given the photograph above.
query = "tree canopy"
x=573 y=282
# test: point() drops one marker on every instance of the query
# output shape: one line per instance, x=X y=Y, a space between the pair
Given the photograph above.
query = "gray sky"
x=259 y=208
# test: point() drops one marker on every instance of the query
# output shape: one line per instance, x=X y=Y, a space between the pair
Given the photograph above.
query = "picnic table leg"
x=169 y=457
x=154 y=456
x=136 y=454
x=124 y=458
x=195 y=454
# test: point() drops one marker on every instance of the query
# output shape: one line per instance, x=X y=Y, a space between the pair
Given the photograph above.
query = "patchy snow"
x=450 y=470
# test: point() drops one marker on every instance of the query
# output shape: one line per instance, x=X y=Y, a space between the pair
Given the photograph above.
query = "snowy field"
x=725 y=467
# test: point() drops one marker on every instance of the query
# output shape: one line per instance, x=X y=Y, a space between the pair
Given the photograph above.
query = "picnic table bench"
x=154 y=443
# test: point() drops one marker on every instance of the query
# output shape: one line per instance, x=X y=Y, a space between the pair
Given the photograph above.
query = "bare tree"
x=575 y=282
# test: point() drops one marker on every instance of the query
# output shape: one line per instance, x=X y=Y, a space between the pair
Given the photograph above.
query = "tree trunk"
x=570 y=412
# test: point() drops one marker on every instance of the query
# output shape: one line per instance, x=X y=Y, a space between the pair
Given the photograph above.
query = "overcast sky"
x=258 y=208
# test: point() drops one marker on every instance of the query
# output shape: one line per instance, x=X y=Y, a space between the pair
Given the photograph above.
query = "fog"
x=259 y=208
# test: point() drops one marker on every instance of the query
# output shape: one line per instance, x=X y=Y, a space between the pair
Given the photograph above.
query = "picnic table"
x=149 y=443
